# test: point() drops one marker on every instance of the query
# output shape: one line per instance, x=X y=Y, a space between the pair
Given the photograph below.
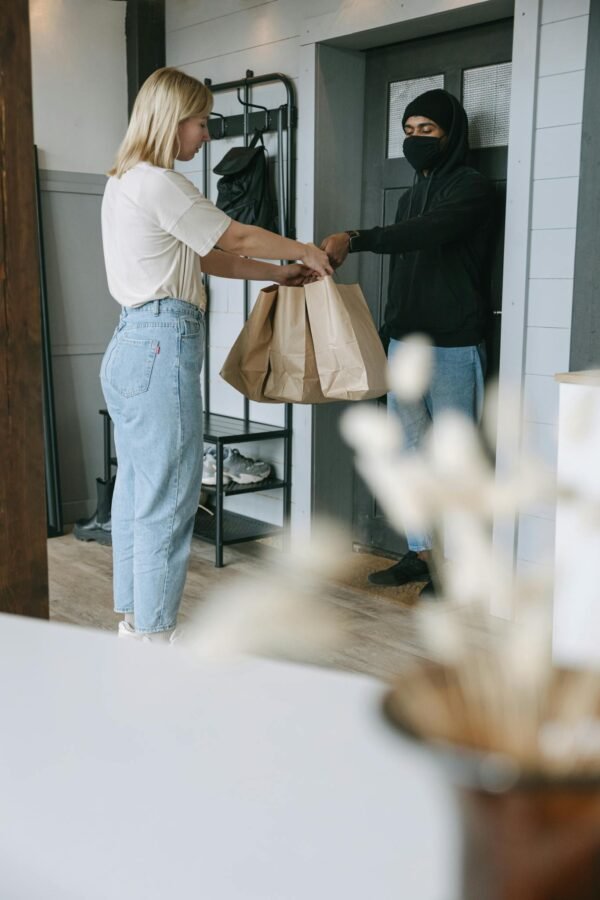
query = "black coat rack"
x=283 y=121
x=225 y=527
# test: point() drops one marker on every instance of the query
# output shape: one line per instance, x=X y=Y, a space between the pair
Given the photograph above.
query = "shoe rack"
x=225 y=527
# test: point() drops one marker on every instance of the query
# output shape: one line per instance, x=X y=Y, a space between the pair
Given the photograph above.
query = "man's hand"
x=336 y=247
x=315 y=259
x=295 y=275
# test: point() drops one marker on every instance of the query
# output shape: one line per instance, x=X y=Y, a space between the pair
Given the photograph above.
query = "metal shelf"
x=233 y=528
x=229 y=430
x=227 y=527
x=233 y=489
x=237 y=529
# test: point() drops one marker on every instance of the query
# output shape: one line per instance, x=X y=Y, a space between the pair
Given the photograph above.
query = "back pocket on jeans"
x=129 y=369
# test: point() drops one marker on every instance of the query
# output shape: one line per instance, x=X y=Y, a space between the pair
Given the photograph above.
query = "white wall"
x=221 y=40
x=561 y=76
x=79 y=82
x=79 y=68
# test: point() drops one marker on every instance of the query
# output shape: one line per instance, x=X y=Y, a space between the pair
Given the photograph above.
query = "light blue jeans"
x=456 y=383
x=150 y=377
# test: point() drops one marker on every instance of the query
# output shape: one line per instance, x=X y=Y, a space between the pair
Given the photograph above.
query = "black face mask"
x=422 y=152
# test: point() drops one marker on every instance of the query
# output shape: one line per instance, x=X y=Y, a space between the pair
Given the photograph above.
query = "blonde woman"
x=159 y=235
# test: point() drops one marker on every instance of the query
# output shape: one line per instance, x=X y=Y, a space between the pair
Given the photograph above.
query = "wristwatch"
x=352 y=235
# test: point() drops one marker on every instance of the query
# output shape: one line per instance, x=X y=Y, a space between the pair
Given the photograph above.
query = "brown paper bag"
x=350 y=358
x=293 y=376
x=314 y=344
x=247 y=365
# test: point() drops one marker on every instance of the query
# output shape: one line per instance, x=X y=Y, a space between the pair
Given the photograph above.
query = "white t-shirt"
x=155 y=227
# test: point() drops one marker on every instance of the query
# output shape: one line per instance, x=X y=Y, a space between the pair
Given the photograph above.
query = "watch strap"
x=353 y=235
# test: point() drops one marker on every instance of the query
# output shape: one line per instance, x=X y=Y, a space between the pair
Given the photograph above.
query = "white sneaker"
x=126 y=631
x=159 y=637
x=209 y=470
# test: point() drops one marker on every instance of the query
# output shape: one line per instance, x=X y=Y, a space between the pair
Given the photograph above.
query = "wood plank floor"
x=379 y=635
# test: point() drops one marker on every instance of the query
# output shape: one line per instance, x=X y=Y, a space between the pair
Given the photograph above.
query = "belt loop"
x=156 y=309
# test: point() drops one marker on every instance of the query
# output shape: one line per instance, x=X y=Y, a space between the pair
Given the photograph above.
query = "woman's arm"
x=248 y=240
x=228 y=265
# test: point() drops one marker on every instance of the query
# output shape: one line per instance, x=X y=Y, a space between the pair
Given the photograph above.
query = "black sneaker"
x=409 y=568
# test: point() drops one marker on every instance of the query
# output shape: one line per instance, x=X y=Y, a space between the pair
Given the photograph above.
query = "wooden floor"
x=379 y=636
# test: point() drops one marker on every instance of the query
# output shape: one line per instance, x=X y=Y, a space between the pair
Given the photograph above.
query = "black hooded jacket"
x=440 y=246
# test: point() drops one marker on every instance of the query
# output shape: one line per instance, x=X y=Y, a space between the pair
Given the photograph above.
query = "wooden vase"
x=538 y=842
x=526 y=835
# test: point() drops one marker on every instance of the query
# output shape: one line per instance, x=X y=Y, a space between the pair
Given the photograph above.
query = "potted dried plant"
x=519 y=736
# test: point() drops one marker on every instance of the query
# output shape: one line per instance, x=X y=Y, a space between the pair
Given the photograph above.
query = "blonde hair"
x=164 y=100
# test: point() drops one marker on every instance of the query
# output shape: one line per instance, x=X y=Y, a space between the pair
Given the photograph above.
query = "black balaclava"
x=445 y=110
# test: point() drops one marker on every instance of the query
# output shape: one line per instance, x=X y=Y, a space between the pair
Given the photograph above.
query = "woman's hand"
x=227 y=265
x=317 y=260
x=295 y=275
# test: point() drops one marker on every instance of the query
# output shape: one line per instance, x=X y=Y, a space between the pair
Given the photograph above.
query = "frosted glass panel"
x=400 y=95
x=486 y=98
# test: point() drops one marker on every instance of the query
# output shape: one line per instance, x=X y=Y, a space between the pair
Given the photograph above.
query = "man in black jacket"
x=439 y=245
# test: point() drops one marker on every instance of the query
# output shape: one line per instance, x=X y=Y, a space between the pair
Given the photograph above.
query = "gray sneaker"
x=242 y=469
x=239 y=468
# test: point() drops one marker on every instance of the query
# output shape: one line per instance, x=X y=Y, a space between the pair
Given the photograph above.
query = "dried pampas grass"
x=277 y=612
x=498 y=693
x=490 y=684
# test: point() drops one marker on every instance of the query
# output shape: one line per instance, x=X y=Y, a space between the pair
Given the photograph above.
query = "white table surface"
x=128 y=771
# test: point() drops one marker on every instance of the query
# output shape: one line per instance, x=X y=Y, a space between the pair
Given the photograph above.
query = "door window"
x=486 y=99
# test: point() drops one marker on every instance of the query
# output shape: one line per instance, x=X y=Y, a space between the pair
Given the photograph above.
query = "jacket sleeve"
x=452 y=216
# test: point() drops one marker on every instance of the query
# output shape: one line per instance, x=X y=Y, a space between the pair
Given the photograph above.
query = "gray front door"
x=474 y=65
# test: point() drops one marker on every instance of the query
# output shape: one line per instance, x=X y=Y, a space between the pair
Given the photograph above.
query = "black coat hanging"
x=244 y=189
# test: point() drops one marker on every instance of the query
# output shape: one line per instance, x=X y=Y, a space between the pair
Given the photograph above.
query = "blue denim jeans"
x=456 y=383
x=150 y=377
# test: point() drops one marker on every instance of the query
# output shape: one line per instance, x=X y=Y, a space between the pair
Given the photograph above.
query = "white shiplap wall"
x=221 y=39
x=561 y=76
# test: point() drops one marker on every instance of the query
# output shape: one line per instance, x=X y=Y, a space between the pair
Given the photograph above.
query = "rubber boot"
x=98 y=527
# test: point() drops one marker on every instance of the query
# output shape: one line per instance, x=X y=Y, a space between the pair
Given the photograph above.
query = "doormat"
x=360 y=566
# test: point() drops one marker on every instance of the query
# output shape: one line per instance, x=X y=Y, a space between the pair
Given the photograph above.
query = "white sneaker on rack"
x=209 y=470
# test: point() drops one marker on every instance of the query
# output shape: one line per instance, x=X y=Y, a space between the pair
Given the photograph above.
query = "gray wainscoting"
x=82 y=318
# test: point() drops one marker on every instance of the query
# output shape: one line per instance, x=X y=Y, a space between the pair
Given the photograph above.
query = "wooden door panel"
x=23 y=564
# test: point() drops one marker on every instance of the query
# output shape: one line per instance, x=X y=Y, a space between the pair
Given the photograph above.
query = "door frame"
x=585 y=323
x=23 y=561
x=321 y=91
x=446 y=55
